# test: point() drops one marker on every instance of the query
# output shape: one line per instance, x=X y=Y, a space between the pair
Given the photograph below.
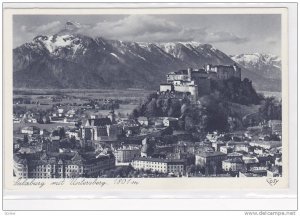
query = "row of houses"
x=41 y=165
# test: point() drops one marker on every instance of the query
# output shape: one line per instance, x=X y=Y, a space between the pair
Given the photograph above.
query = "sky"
x=231 y=33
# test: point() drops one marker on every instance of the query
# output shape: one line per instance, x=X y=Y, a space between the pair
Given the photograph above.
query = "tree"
x=183 y=108
x=166 y=106
x=271 y=109
x=175 y=109
x=189 y=123
x=73 y=141
x=237 y=91
x=151 y=109
x=55 y=133
x=135 y=114
x=25 y=138
x=61 y=132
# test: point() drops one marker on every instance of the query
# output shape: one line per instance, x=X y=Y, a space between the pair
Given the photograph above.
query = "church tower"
x=112 y=115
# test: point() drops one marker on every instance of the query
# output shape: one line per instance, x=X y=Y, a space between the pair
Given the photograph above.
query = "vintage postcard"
x=145 y=99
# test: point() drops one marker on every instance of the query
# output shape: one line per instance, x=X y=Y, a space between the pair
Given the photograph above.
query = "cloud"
x=149 y=28
x=48 y=28
x=139 y=28
x=222 y=36
x=26 y=33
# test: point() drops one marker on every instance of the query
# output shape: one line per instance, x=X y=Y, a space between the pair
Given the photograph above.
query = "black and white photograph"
x=150 y=106
x=147 y=96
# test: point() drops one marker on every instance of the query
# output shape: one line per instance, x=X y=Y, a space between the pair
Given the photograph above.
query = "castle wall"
x=224 y=72
x=172 y=77
x=199 y=75
x=185 y=88
x=198 y=82
x=163 y=88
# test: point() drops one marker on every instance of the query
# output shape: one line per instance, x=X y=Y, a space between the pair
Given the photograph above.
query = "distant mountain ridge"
x=71 y=60
x=267 y=65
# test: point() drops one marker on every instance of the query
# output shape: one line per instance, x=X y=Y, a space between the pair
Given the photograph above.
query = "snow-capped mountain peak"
x=256 y=58
x=266 y=64
x=75 y=60
x=55 y=42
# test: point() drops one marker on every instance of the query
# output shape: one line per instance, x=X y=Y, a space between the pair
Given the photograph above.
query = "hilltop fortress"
x=197 y=82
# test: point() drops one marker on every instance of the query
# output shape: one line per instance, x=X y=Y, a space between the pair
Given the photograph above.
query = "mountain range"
x=266 y=65
x=72 y=60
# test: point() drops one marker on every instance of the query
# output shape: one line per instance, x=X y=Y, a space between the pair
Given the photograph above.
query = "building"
x=30 y=130
x=213 y=137
x=32 y=120
x=143 y=121
x=250 y=161
x=45 y=133
x=274 y=172
x=258 y=151
x=184 y=81
x=20 y=169
x=126 y=154
x=98 y=122
x=233 y=165
x=243 y=148
x=235 y=155
x=94 y=165
x=198 y=81
x=64 y=165
x=88 y=133
x=166 y=87
x=173 y=166
x=73 y=133
x=114 y=130
x=223 y=72
x=266 y=144
x=58 y=119
x=211 y=161
x=16 y=120
x=226 y=149
x=185 y=147
x=51 y=146
x=276 y=126
x=170 y=122
x=101 y=129
x=217 y=145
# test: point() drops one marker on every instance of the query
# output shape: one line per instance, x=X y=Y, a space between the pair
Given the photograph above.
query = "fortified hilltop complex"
x=197 y=82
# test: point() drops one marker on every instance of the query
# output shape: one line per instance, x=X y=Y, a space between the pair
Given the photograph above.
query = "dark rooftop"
x=211 y=154
x=99 y=122
x=160 y=160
